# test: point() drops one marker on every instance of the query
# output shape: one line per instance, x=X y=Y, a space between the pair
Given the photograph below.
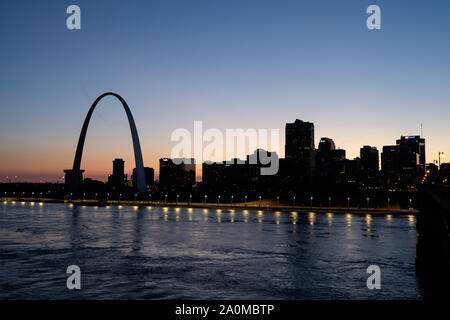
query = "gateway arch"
x=74 y=176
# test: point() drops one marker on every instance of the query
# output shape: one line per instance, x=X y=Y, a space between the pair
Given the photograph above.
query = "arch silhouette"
x=77 y=173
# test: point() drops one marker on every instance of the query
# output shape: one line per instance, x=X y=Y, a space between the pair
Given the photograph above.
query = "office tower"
x=299 y=138
x=326 y=145
x=414 y=151
x=177 y=173
x=227 y=175
x=299 y=151
x=403 y=165
x=330 y=164
x=369 y=165
x=149 y=176
x=117 y=179
x=352 y=170
x=119 y=169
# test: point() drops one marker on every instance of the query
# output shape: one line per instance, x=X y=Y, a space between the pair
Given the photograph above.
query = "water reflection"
x=330 y=219
x=368 y=223
x=411 y=220
x=348 y=217
x=312 y=217
x=138 y=255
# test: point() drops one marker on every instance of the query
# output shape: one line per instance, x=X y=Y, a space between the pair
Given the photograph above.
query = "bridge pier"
x=433 y=244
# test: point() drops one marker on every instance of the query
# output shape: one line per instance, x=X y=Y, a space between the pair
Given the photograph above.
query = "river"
x=192 y=253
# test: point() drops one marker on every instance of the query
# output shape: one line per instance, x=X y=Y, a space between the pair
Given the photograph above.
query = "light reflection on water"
x=152 y=252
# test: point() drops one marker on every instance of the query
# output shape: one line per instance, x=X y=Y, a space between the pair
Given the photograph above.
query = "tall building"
x=330 y=164
x=352 y=170
x=326 y=145
x=117 y=179
x=414 y=146
x=149 y=177
x=177 y=173
x=299 y=151
x=369 y=165
x=299 y=138
x=226 y=175
x=403 y=165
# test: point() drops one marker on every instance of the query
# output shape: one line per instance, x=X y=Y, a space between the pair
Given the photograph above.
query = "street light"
x=367 y=202
x=389 y=202
x=245 y=200
x=107 y=196
x=206 y=196
x=232 y=199
x=190 y=199
x=293 y=201
x=329 y=201
x=311 y=199
x=135 y=197
x=348 y=202
x=218 y=199
x=165 y=198
x=177 y=197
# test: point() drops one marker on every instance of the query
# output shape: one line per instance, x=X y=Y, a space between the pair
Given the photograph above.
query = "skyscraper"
x=299 y=150
x=117 y=179
x=330 y=162
x=415 y=147
x=369 y=165
x=326 y=145
x=177 y=173
x=149 y=176
x=403 y=165
x=299 y=138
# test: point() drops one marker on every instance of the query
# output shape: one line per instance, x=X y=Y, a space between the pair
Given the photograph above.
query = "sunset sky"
x=231 y=64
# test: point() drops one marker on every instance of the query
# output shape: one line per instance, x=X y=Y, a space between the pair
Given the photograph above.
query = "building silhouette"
x=299 y=151
x=118 y=178
x=178 y=173
x=330 y=162
x=403 y=164
x=237 y=174
x=149 y=177
x=414 y=146
x=369 y=165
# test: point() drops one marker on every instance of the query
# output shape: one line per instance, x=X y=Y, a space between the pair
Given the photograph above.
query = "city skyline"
x=176 y=63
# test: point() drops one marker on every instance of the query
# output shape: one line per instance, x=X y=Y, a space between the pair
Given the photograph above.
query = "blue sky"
x=231 y=64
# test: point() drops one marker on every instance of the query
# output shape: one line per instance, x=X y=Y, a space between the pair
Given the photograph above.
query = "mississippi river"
x=180 y=253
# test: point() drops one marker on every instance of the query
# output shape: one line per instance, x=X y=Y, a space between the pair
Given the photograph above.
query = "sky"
x=230 y=64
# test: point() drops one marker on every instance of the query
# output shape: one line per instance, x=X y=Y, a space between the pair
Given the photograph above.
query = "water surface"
x=169 y=253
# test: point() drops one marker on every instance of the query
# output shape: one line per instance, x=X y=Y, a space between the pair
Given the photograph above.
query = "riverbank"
x=255 y=205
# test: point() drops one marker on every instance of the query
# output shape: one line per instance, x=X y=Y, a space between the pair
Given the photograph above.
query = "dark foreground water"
x=169 y=253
